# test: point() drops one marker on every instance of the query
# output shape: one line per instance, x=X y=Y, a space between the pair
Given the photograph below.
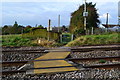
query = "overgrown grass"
x=20 y=40
x=95 y=39
x=28 y=39
x=16 y=40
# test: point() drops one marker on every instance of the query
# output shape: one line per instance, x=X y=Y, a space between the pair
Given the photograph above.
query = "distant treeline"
x=19 y=29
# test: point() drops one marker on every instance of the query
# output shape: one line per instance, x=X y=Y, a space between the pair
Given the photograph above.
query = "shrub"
x=102 y=61
x=41 y=33
x=58 y=44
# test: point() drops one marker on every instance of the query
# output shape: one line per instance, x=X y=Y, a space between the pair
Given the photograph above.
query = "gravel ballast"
x=82 y=74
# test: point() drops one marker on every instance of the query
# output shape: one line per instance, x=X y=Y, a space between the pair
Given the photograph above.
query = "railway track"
x=73 y=49
x=31 y=51
x=11 y=63
x=78 y=49
x=101 y=66
x=92 y=48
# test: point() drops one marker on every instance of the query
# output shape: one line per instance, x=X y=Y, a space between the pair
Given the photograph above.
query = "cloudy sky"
x=32 y=12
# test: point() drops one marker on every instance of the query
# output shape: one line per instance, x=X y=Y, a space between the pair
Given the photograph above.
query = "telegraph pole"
x=58 y=23
x=107 y=23
x=49 y=23
x=107 y=20
x=85 y=14
x=119 y=13
x=119 y=21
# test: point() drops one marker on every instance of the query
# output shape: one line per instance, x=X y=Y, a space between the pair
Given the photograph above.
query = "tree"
x=79 y=32
x=27 y=29
x=77 y=19
x=15 y=29
x=40 y=26
x=20 y=29
x=15 y=25
x=4 y=30
x=64 y=29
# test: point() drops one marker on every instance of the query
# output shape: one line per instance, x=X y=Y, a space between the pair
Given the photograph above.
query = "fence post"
x=61 y=38
x=106 y=30
x=88 y=31
x=72 y=37
x=92 y=31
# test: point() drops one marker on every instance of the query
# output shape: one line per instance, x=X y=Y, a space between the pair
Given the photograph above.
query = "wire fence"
x=99 y=31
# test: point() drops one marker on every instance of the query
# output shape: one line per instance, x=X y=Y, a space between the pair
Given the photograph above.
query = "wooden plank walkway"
x=61 y=64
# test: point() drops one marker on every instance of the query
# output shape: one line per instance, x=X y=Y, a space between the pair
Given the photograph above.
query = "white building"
x=119 y=12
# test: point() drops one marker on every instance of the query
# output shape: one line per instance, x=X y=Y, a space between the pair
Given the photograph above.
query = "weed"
x=102 y=61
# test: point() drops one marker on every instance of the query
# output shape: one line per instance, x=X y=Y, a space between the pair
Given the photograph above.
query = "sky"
x=119 y=8
x=32 y=12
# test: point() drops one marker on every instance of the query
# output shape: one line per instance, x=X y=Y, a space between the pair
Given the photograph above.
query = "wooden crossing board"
x=54 y=55
x=53 y=63
x=40 y=71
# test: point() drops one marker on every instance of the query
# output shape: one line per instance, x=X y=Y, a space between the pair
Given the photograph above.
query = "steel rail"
x=103 y=66
x=95 y=48
x=23 y=50
x=82 y=48
x=70 y=59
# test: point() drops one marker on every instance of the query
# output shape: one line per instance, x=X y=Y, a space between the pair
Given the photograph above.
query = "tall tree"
x=14 y=28
x=5 y=29
x=40 y=26
x=15 y=25
x=77 y=19
x=64 y=28
x=27 y=29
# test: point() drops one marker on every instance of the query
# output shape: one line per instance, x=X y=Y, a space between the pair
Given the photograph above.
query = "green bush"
x=58 y=44
x=102 y=61
x=41 y=33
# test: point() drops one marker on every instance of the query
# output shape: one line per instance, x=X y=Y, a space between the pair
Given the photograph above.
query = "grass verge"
x=15 y=40
x=19 y=40
x=95 y=40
